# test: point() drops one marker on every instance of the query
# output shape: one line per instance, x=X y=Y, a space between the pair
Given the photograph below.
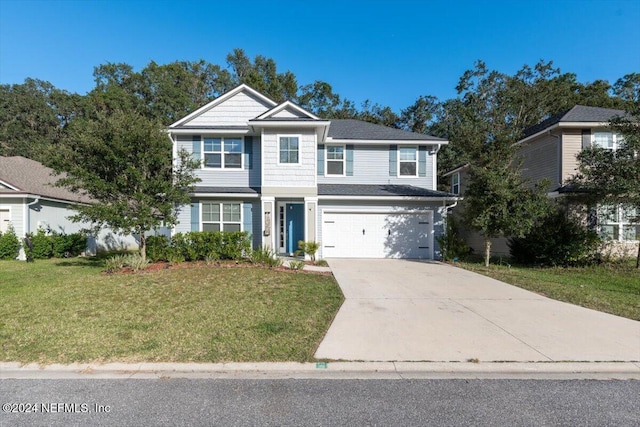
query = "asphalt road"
x=196 y=402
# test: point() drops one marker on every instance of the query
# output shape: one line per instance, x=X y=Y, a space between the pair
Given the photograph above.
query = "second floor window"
x=455 y=183
x=289 y=149
x=223 y=153
x=408 y=162
x=335 y=159
x=607 y=140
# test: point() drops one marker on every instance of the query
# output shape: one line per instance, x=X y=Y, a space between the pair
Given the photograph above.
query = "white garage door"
x=377 y=235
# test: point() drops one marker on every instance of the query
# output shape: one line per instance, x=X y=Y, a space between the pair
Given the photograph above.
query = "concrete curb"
x=328 y=370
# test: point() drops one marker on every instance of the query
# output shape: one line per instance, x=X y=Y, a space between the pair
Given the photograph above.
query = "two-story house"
x=548 y=150
x=284 y=175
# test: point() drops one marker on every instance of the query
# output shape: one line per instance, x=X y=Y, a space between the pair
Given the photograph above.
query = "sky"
x=389 y=52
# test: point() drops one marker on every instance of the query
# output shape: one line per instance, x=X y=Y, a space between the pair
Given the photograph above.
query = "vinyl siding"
x=302 y=174
x=227 y=177
x=371 y=166
x=571 y=146
x=438 y=225
x=232 y=112
x=16 y=206
x=540 y=160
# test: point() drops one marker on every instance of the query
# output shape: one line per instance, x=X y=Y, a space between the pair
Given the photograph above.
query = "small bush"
x=157 y=248
x=118 y=262
x=309 y=248
x=266 y=256
x=556 y=240
x=322 y=263
x=49 y=244
x=41 y=245
x=451 y=243
x=296 y=265
x=9 y=244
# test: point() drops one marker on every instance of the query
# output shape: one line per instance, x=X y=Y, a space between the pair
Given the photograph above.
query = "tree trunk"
x=638 y=259
x=143 y=246
x=487 y=251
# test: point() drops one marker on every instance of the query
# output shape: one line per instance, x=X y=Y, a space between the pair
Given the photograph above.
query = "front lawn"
x=613 y=289
x=70 y=311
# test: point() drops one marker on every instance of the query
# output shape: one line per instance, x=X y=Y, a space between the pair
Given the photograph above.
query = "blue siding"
x=393 y=160
x=321 y=159
x=248 y=152
x=247 y=217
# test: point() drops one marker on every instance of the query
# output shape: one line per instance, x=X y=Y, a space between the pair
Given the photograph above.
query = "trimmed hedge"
x=52 y=244
x=9 y=244
x=200 y=246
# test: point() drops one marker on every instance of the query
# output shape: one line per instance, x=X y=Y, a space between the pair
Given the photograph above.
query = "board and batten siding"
x=235 y=111
x=368 y=206
x=371 y=166
x=540 y=160
x=302 y=174
x=247 y=177
x=571 y=146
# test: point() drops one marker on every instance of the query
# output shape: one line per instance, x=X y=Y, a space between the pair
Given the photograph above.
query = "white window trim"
x=221 y=222
x=299 y=136
x=618 y=222
x=453 y=185
x=327 y=160
x=616 y=138
x=222 y=165
x=417 y=161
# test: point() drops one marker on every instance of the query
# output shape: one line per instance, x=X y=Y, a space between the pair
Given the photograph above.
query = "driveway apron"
x=402 y=310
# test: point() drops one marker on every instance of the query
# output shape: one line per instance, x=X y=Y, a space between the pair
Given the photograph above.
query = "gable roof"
x=577 y=114
x=219 y=100
x=357 y=129
x=287 y=106
x=26 y=176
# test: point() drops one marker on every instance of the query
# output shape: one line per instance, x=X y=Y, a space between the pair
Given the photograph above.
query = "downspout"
x=28 y=221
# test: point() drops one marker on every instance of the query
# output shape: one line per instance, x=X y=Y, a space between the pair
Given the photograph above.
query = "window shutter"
x=321 y=159
x=393 y=160
x=248 y=152
x=247 y=217
x=195 y=216
x=349 y=160
x=196 y=148
x=422 y=160
x=586 y=138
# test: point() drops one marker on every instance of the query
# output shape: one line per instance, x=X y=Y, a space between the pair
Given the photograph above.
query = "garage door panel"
x=377 y=235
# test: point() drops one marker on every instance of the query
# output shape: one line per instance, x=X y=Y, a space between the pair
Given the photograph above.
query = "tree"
x=613 y=177
x=122 y=160
x=321 y=101
x=419 y=116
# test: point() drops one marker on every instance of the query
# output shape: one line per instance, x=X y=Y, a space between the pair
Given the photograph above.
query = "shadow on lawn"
x=93 y=261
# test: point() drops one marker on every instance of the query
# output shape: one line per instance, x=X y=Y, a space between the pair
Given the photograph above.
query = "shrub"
x=118 y=262
x=451 y=243
x=9 y=244
x=212 y=245
x=52 y=244
x=158 y=248
x=557 y=239
x=309 y=248
x=41 y=245
x=266 y=256
x=322 y=263
x=296 y=265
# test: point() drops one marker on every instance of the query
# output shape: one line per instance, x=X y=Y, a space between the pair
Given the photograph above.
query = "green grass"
x=613 y=289
x=62 y=311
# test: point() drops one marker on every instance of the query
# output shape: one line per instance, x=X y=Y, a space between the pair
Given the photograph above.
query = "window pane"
x=603 y=139
x=210 y=227
x=284 y=157
x=407 y=168
x=233 y=145
x=233 y=160
x=607 y=214
x=609 y=232
x=628 y=214
x=231 y=212
x=212 y=144
x=231 y=227
x=284 y=143
x=293 y=143
x=335 y=153
x=631 y=232
x=212 y=160
x=407 y=153
x=293 y=157
x=211 y=212
x=335 y=168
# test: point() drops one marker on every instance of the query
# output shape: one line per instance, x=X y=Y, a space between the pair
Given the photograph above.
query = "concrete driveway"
x=400 y=310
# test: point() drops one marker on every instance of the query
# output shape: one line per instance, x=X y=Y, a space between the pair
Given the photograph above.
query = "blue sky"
x=390 y=52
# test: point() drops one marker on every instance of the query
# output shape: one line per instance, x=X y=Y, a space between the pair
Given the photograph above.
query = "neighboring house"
x=29 y=200
x=548 y=150
x=284 y=175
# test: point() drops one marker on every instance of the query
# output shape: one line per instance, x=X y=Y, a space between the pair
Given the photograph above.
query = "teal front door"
x=295 y=225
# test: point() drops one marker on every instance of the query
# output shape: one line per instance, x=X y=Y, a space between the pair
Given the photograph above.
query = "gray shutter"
x=247 y=217
x=393 y=160
x=195 y=216
x=321 y=159
x=196 y=147
x=349 y=160
x=586 y=138
x=422 y=160
x=248 y=152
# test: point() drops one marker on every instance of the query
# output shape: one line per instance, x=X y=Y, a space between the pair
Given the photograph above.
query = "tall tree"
x=420 y=116
x=320 y=99
x=613 y=177
x=122 y=160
